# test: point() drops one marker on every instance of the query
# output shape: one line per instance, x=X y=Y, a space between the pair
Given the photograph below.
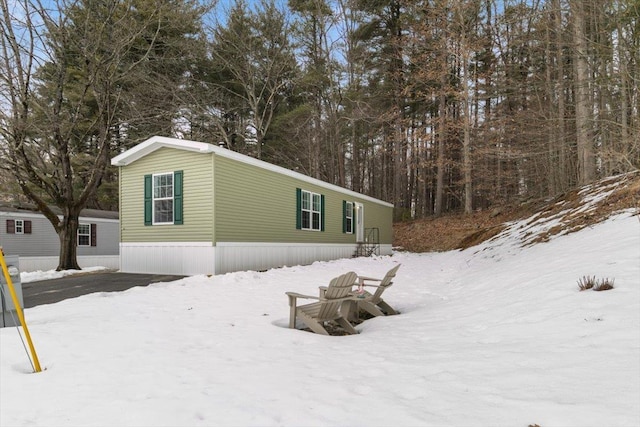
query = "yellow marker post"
x=16 y=304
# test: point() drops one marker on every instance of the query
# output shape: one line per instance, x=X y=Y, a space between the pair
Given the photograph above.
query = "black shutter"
x=94 y=235
x=27 y=227
x=177 y=197
x=344 y=216
x=322 y=212
x=148 y=211
x=298 y=209
x=11 y=226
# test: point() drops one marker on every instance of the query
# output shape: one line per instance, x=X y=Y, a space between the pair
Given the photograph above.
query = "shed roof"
x=26 y=208
x=156 y=142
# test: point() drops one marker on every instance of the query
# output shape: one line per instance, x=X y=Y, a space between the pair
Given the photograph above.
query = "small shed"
x=25 y=232
x=189 y=207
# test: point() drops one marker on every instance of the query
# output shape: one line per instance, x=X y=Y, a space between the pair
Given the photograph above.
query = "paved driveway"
x=54 y=290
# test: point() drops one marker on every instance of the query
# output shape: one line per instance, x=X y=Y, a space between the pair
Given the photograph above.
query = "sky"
x=495 y=335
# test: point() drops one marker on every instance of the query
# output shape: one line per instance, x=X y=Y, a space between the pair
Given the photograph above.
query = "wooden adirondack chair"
x=327 y=309
x=373 y=303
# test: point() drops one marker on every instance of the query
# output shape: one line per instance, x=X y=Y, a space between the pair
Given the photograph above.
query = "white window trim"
x=310 y=210
x=84 y=234
x=359 y=221
x=18 y=226
x=154 y=199
x=349 y=218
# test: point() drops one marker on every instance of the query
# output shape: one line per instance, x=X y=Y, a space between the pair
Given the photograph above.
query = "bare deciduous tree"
x=66 y=66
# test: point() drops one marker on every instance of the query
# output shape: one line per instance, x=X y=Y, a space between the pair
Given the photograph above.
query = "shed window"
x=87 y=235
x=18 y=226
x=163 y=198
x=310 y=210
x=84 y=235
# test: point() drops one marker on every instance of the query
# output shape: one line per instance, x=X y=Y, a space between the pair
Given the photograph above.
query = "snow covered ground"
x=495 y=335
x=35 y=276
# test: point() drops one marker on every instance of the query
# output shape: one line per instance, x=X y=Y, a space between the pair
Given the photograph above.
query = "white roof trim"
x=156 y=142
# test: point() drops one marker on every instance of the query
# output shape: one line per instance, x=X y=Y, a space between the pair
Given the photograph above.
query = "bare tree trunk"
x=68 y=245
x=552 y=131
x=466 y=142
x=442 y=137
x=564 y=180
x=624 y=96
x=399 y=169
x=586 y=159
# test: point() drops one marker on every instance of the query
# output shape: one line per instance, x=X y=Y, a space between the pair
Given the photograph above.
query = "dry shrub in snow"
x=590 y=282
x=603 y=285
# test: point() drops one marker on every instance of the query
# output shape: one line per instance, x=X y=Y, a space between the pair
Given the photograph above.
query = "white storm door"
x=359 y=208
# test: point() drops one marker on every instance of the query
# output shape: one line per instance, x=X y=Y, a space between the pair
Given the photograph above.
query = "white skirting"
x=191 y=258
x=46 y=263
x=180 y=258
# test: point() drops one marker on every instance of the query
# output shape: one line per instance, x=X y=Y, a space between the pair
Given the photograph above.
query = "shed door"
x=359 y=207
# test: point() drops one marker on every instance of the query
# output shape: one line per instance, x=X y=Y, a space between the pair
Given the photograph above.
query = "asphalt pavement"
x=55 y=290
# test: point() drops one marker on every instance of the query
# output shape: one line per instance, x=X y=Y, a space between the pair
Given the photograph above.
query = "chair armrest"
x=361 y=279
x=293 y=298
x=377 y=286
x=297 y=295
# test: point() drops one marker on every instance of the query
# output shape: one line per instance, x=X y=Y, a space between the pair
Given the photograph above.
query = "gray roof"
x=29 y=208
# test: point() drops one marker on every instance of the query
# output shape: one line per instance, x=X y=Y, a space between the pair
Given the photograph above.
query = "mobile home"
x=27 y=233
x=189 y=207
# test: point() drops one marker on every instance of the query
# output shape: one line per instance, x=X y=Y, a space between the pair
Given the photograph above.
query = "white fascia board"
x=154 y=143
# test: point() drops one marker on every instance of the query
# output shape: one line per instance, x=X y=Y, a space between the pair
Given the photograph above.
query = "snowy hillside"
x=495 y=335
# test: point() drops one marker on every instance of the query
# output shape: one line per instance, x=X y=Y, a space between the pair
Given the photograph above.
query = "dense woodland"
x=436 y=106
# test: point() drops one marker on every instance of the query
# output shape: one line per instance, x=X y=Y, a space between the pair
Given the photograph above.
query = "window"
x=87 y=235
x=310 y=210
x=163 y=198
x=347 y=217
x=18 y=226
x=84 y=235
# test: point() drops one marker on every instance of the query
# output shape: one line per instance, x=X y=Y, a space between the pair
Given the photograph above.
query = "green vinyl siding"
x=259 y=205
x=377 y=216
x=248 y=203
x=196 y=198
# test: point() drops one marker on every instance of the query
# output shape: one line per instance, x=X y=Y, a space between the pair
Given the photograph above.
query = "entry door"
x=359 y=222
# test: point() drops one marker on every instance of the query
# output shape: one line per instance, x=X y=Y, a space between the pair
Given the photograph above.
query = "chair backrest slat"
x=339 y=287
x=386 y=281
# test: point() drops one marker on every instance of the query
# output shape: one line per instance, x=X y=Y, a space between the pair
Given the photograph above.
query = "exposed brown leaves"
x=462 y=231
